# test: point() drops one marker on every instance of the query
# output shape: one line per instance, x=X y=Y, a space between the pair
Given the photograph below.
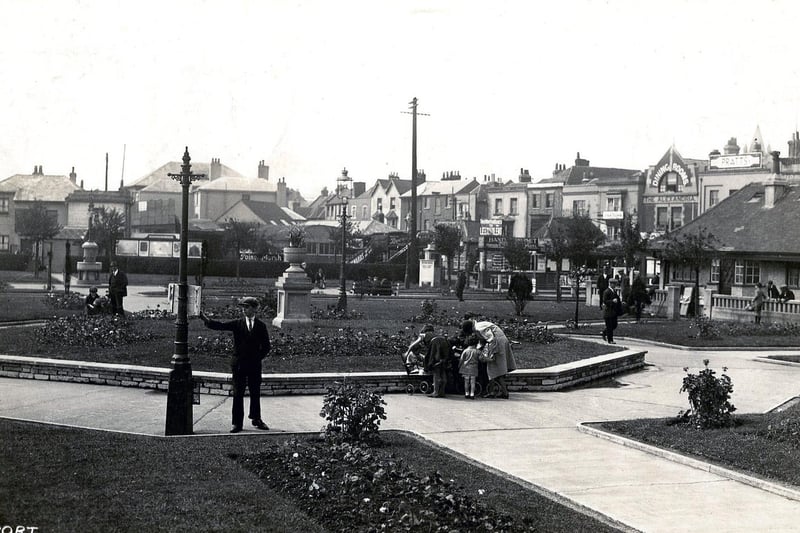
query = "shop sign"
x=734 y=161
x=670 y=199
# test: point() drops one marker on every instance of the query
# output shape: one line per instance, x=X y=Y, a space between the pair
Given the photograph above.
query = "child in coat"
x=468 y=366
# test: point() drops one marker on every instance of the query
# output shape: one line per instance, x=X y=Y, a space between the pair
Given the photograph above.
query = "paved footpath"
x=532 y=436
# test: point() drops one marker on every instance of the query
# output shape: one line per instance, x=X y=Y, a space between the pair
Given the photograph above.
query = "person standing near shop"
x=250 y=346
x=117 y=289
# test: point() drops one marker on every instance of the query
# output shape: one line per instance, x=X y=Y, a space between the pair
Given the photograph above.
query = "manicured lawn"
x=765 y=445
x=373 y=341
x=63 y=479
x=682 y=332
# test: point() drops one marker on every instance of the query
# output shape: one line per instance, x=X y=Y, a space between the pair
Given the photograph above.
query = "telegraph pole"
x=412 y=256
x=181 y=388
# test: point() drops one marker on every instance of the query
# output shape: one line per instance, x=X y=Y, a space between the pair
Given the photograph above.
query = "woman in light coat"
x=496 y=353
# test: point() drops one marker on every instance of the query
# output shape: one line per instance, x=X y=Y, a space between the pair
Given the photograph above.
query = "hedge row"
x=256 y=269
x=14 y=261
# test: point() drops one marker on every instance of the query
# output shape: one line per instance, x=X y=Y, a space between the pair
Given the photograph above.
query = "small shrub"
x=73 y=300
x=709 y=398
x=332 y=313
x=706 y=328
x=78 y=330
x=353 y=412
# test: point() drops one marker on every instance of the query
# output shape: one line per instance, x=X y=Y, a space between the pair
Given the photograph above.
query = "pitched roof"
x=238 y=184
x=270 y=212
x=741 y=223
x=441 y=187
x=174 y=167
x=43 y=187
x=80 y=195
x=577 y=174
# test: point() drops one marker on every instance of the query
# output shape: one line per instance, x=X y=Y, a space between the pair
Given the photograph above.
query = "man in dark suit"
x=117 y=289
x=612 y=308
x=250 y=346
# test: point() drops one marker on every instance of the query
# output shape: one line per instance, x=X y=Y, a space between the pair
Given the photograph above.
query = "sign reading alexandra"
x=670 y=199
x=491 y=227
x=734 y=161
x=671 y=162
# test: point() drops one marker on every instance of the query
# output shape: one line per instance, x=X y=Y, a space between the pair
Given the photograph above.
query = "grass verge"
x=66 y=479
x=763 y=445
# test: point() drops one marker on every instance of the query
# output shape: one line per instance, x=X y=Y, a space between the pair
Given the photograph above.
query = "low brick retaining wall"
x=544 y=379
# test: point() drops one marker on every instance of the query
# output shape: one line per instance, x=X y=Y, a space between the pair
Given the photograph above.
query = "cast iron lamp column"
x=179 y=397
x=341 y=305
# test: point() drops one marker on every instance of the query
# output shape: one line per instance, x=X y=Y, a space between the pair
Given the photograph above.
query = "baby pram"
x=414 y=363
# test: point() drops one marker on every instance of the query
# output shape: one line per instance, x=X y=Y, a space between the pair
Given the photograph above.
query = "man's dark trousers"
x=246 y=377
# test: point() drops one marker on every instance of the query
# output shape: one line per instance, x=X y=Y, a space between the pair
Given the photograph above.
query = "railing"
x=362 y=255
x=727 y=307
x=399 y=252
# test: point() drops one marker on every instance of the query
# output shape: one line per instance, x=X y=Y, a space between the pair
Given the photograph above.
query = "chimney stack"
x=776 y=162
x=72 y=176
x=214 y=169
x=263 y=170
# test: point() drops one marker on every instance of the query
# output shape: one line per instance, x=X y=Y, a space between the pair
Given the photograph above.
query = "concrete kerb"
x=769 y=486
x=555 y=496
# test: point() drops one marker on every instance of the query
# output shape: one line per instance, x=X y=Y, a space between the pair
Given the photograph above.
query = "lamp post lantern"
x=179 y=397
x=341 y=305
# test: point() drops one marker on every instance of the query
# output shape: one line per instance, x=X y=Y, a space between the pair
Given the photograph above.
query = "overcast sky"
x=314 y=86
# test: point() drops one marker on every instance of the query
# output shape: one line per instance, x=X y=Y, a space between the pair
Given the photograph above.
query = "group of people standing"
x=482 y=344
x=771 y=293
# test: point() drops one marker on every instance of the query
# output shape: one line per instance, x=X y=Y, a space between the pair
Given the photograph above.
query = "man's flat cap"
x=249 y=300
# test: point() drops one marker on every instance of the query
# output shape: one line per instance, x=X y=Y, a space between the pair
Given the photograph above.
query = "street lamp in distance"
x=341 y=305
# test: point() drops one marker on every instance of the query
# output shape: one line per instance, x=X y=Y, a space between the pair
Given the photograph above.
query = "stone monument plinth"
x=294 y=289
x=89 y=265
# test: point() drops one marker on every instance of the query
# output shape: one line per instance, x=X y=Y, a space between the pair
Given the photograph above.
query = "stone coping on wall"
x=219 y=383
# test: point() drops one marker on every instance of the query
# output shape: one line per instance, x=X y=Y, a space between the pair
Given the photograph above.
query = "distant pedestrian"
x=321 y=278
x=772 y=290
x=461 y=284
x=602 y=284
x=250 y=346
x=639 y=296
x=117 y=289
x=612 y=309
x=468 y=365
x=758 y=300
x=786 y=294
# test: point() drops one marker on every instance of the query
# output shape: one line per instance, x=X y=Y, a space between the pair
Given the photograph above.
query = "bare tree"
x=240 y=235
x=36 y=224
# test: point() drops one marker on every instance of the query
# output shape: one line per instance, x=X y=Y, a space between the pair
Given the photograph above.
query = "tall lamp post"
x=341 y=305
x=179 y=397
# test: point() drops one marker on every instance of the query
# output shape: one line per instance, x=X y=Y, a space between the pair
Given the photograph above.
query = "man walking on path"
x=117 y=289
x=250 y=346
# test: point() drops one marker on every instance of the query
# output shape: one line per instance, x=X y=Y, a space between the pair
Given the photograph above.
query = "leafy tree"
x=693 y=250
x=240 y=235
x=447 y=239
x=108 y=225
x=36 y=224
x=575 y=239
x=516 y=253
x=632 y=242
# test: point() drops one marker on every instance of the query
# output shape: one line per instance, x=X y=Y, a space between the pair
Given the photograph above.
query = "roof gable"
x=42 y=187
x=742 y=223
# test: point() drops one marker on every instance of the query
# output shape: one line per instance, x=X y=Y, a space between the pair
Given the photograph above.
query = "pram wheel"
x=409 y=389
x=424 y=387
x=478 y=389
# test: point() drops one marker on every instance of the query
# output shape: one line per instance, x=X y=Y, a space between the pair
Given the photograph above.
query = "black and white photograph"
x=465 y=266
